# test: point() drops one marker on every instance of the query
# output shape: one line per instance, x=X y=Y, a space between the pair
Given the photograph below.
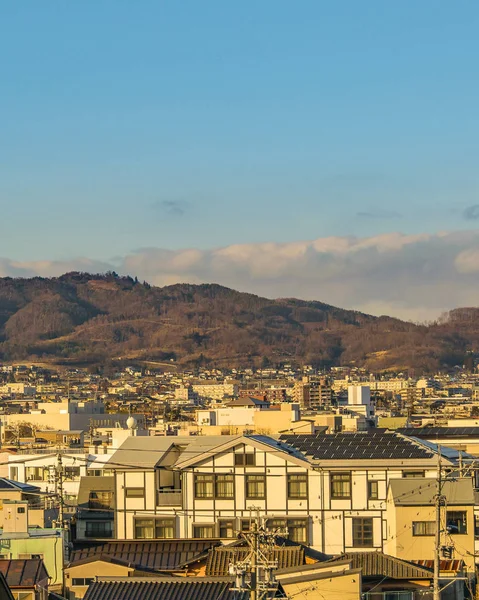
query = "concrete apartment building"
x=67 y=415
x=215 y=390
x=313 y=393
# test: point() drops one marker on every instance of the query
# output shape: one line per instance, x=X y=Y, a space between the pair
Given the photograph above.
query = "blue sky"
x=129 y=125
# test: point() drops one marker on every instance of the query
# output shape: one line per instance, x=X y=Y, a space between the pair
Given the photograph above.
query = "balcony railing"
x=170 y=498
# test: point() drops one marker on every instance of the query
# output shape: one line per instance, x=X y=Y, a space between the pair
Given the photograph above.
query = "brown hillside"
x=84 y=318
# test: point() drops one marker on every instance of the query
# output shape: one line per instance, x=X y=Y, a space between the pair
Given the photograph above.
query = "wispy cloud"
x=409 y=276
x=471 y=213
x=176 y=208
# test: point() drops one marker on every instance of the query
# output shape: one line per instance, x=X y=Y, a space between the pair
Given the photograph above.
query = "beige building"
x=411 y=514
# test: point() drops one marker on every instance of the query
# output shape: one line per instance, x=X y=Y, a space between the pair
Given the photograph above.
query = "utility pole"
x=254 y=574
x=59 y=487
x=437 y=541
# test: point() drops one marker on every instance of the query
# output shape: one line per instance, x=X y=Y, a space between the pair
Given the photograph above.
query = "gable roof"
x=261 y=442
x=420 y=491
x=161 y=555
x=378 y=564
x=372 y=445
x=220 y=558
x=110 y=588
x=23 y=573
x=146 y=452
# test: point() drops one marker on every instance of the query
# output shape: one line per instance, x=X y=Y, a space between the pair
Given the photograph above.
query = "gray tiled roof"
x=377 y=564
x=159 y=554
x=375 y=445
x=219 y=559
x=168 y=589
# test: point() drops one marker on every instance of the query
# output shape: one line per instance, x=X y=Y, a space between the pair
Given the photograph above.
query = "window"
x=421 y=528
x=99 y=472
x=101 y=529
x=412 y=474
x=203 y=486
x=14 y=473
x=456 y=522
x=363 y=532
x=224 y=486
x=341 y=485
x=21 y=510
x=245 y=524
x=72 y=473
x=146 y=529
x=36 y=473
x=255 y=487
x=245 y=460
x=373 y=490
x=134 y=492
x=100 y=499
x=295 y=530
x=203 y=531
x=82 y=580
x=297 y=486
x=227 y=528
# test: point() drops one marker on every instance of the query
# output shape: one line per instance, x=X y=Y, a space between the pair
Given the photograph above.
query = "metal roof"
x=378 y=564
x=18 y=486
x=23 y=573
x=156 y=589
x=219 y=559
x=160 y=555
x=373 y=445
x=419 y=491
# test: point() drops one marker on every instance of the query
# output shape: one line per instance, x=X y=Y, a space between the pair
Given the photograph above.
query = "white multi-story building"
x=330 y=491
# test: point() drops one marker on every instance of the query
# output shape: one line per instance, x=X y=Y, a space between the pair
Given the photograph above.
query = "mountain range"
x=85 y=319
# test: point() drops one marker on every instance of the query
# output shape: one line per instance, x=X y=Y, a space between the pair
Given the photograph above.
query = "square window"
x=456 y=522
x=224 y=487
x=297 y=487
x=21 y=510
x=246 y=459
x=255 y=487
x=203 y=531
x=146 y=529
x=423 y=528
x=363 y=532
x=341 y=485
x=203 y=486
x=227 y=528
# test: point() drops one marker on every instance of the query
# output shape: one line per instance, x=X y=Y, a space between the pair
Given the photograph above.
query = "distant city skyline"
x=321 y=150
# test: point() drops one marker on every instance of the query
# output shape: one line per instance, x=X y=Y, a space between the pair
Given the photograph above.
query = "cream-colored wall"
x=92 y=569
x=343 y=587
x=270 y=422
x=401 y=542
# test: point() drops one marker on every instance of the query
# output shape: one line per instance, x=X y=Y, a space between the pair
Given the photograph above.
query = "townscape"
x=280 y=481
x=239 y=316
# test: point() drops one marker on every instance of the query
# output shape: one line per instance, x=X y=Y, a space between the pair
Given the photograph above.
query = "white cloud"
x=409 y=276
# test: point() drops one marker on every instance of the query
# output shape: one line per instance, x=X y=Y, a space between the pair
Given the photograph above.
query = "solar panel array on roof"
x=432 y=432
x=374 y=445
